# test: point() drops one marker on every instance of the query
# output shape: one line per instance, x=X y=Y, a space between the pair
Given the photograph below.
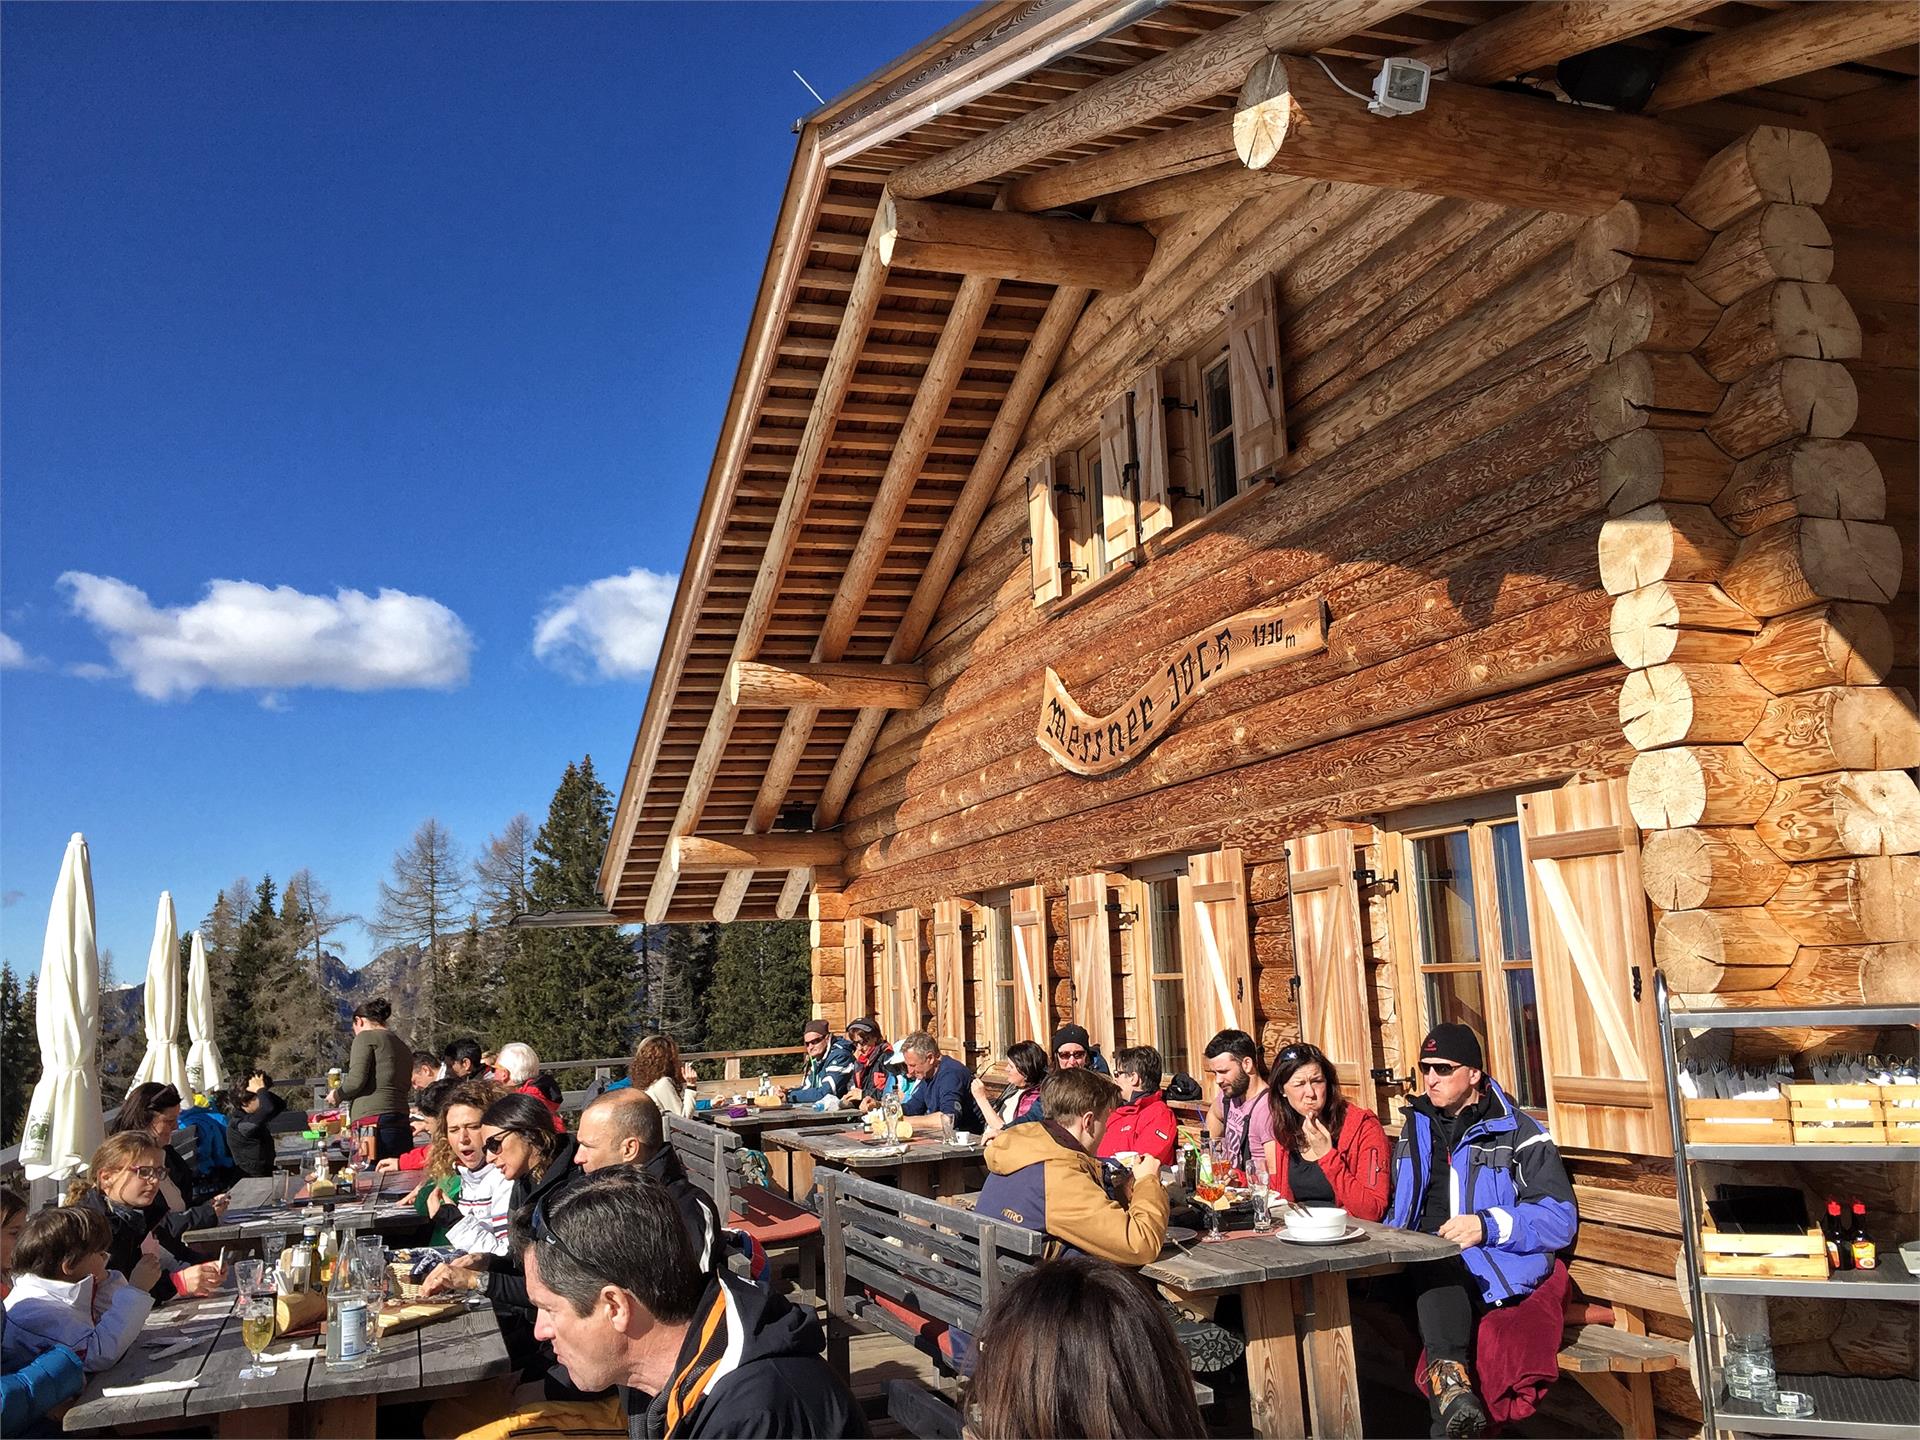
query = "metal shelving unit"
x=1850 y=1407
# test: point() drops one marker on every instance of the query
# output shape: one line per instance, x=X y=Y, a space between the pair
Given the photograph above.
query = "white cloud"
x=243 y=636
x=608 y=629
x=13 y=655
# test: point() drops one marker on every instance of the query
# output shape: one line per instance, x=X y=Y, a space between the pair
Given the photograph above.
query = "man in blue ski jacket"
x=829 y=1068
x=1474 y=1168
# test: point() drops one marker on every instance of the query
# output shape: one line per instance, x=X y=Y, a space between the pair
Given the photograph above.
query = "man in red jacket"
x=1143 y=1124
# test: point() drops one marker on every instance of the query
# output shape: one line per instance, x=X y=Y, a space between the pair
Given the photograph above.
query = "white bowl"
x=1319 y=1222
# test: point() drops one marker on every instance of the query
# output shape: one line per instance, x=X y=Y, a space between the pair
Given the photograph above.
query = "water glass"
x=1262 y=1209
x=252 y=1279
x=946 y=1128
x=1209 y=1224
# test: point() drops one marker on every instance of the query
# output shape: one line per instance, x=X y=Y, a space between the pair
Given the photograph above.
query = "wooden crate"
x=1738 y=1122
x=1837 y=1114
x=1903 y=1120
x=1788 y=1257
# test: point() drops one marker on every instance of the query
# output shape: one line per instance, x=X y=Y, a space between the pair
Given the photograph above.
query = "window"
x=1474 y=946
x=1166 y=977
x=1077 y=488
x=1003 y=995
x=1216 y=420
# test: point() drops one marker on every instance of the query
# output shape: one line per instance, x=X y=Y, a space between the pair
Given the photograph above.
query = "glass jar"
x=1748 y=1372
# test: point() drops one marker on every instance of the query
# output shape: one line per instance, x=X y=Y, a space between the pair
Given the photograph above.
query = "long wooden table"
x=257 y=1211
x=1294 y=1301
x=792 y=1169
x=302 y=1397
x=929 y=1165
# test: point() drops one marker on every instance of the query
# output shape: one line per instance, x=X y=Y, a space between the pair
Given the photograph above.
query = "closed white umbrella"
x=162 y=1061
x=63 y=1118
x=204 y=1070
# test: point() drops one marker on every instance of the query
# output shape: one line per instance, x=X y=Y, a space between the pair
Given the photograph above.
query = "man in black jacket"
x=620 y=1295
x=623 y=1127
x=250 y=1116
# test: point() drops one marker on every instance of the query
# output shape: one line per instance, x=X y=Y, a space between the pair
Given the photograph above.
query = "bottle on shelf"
x=1860 y=1245
x=350 y=1321
x=1833 y=1227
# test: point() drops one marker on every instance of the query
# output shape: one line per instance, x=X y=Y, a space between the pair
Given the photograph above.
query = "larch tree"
x=423 y=905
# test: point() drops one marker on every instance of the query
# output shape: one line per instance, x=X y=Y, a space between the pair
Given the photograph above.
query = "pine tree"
x=304 y=1035
x=688 y=956
x=761 y=990
x=122 y=1041
x=572 y=992
x=469 y=1000
x=243 y=998
x=19 y=1052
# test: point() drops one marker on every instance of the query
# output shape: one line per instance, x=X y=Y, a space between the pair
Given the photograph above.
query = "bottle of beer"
x=1833 y=1228
x=1860 y=1244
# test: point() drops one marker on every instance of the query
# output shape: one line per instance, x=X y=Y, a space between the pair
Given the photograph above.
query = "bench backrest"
x=711 y=1156
x=939 y=1260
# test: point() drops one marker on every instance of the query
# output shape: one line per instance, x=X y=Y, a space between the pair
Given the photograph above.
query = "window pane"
x=1219 y=400
x=1510 y=883
x=1220 y=465
x=1169 y=995
x=1529 y=1079
x=1456 y=997
x=1443 y=899
x=1000 y=917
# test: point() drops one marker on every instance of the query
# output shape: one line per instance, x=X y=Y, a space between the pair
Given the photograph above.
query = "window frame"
x=1491 y=966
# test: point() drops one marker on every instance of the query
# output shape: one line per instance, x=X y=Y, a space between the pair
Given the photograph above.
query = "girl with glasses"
x=122 y=1184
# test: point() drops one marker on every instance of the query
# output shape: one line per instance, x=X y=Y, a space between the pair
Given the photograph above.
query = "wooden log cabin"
x=1187 y=550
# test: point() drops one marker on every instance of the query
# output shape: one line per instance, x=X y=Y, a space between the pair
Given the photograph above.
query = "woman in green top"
x=379 y=1071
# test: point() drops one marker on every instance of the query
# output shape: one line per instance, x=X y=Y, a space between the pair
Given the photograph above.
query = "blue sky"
x=355 y=360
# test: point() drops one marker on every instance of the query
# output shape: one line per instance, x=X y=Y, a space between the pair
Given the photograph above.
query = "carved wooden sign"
x=1252 y=640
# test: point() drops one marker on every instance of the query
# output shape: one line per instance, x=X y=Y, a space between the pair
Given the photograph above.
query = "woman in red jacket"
x=1335 y=1152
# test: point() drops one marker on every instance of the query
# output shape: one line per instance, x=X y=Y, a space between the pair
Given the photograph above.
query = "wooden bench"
x=918 y=1269
x=1614 y=1365
x=711 y=1156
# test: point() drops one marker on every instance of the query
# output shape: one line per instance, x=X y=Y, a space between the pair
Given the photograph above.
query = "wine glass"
x=250 y=1279
x=256 y=1333
x=1209 y=1223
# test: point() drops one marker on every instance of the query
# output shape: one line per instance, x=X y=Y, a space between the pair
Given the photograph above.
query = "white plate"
x=1353 y=1232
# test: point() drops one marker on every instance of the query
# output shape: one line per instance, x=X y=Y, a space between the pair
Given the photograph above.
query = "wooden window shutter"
x=1030 y=961
x=1593 y=970
x=1214 y=948
x=950 y=1008
x=1119 y=527
x=905 y=1001
x=1043 y=531
x=1253 y=376
x=854 y=948
x=1090 y=943
x=1154 y=508
x=1330 y=956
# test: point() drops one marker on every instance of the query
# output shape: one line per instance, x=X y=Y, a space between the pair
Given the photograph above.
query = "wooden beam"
x=1793 y=42
x=758 y=685
x=1468 y=143
x=862 y=301
x=904 y=469
x=968 y=240
x=709 y=854
x=1529 y=37
x=1198 y=70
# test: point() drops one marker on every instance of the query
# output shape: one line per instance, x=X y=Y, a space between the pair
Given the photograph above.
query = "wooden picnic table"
x=257 y=1211
x=1294 y=1303
x=929 y=1165
x=792 y=1169
x=194 y=1348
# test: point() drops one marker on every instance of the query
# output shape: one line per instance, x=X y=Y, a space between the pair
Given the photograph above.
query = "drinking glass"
x=946 y=1128
x=1209 y=1224
x=270 y=1248
x=256 y=1333
x=1262 y=1209
x=250 y=1279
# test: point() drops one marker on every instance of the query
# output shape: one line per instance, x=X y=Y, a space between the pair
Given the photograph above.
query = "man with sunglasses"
x=620 y=1295
x=829 y=1067
x=1472 y=1167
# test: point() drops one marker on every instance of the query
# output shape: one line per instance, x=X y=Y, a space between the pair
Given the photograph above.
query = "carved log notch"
x=1748 y=563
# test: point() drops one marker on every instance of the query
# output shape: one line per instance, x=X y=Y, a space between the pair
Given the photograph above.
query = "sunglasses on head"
x=1293 y=1053
x=1442 y=1068
x=543 y=1234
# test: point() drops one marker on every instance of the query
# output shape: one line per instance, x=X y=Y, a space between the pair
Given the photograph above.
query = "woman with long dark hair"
x=658 y=1072
x=527 y=1151
x=1325 y=1150
x=1079 y=1348
x=1026 y=1067
x=153 y=1109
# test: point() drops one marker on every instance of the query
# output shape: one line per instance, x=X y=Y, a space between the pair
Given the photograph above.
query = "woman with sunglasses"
x=1324 y=1151
x=519 y=1139
x=123 y=1184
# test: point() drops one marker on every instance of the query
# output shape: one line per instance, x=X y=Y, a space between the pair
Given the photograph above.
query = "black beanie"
x=1457 y=1043
x=1072 y=1035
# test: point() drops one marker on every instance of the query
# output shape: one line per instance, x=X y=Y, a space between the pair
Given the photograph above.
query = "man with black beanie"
x=1474 y=1168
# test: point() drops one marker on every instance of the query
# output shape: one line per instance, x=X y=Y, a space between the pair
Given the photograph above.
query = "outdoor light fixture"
x=1401 y=87
x=794 y=817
